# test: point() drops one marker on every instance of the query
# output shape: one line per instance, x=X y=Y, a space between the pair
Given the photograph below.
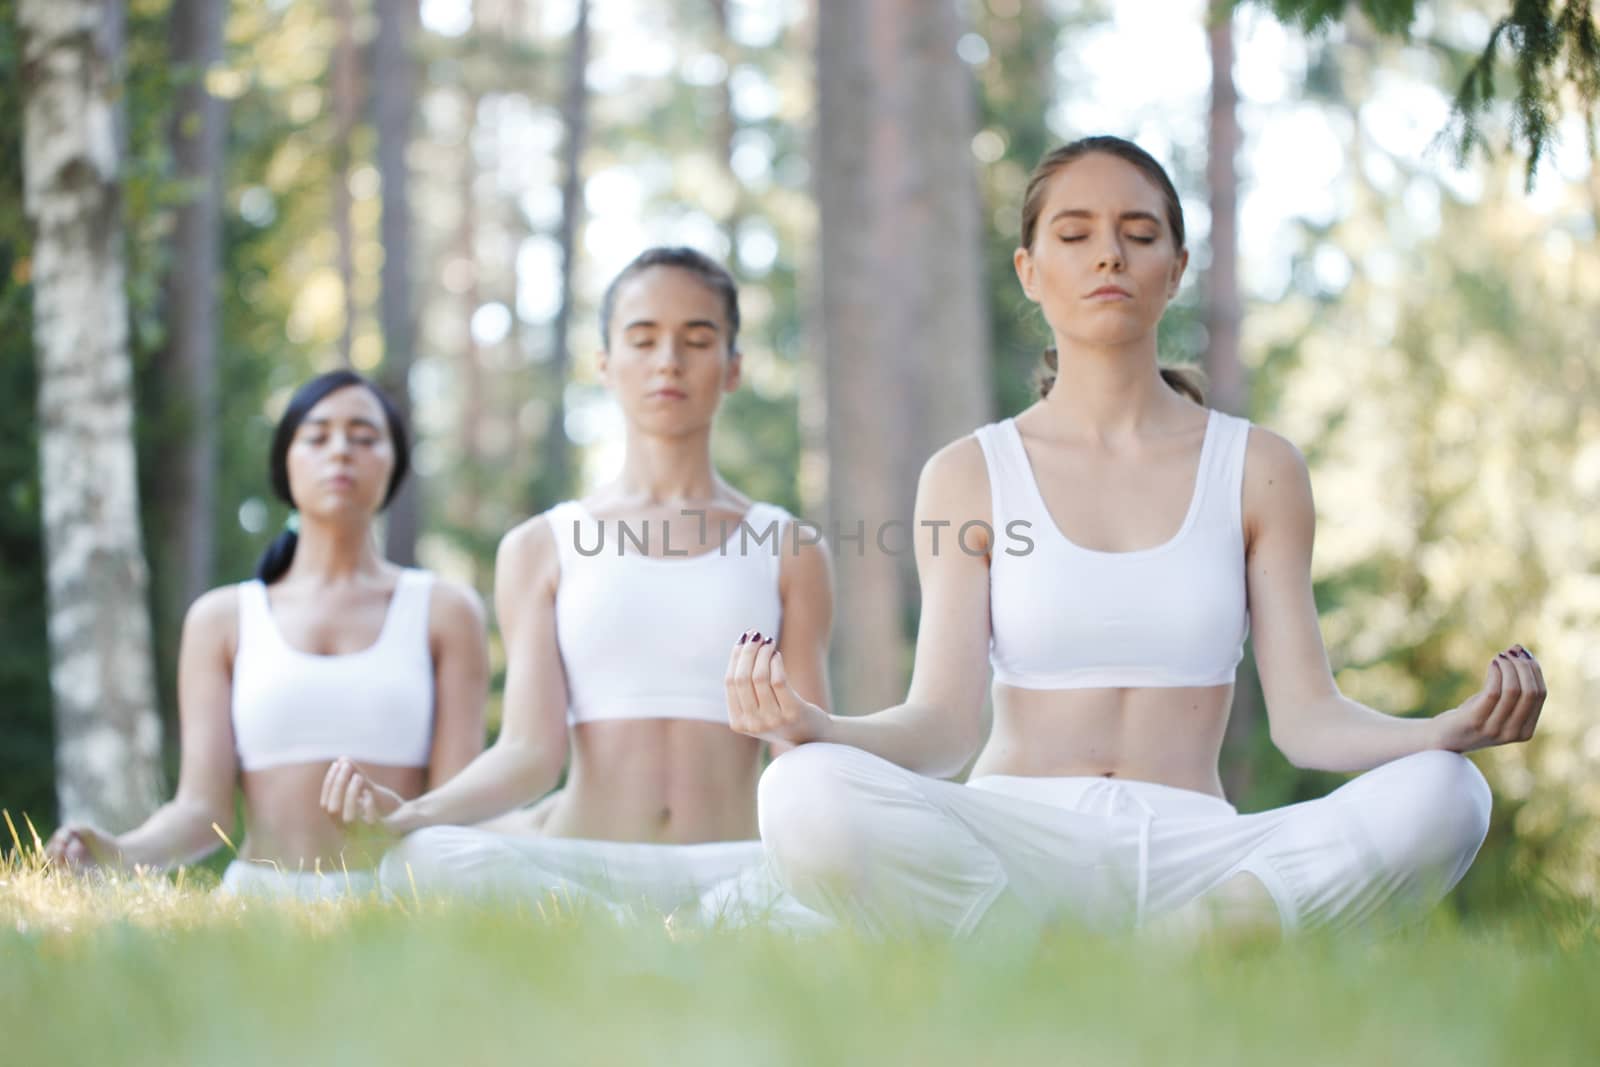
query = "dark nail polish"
x=744 y=637
x=757 y=637
x=768 y=641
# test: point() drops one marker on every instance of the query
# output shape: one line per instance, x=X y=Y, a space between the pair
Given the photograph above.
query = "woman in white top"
x=613 y=610
x=1113 y=641
x=331 y=651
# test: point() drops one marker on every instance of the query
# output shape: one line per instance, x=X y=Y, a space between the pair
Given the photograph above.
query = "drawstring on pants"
x=1117 y=799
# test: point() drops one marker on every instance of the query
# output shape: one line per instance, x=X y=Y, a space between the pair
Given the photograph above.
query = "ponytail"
x=277 y=557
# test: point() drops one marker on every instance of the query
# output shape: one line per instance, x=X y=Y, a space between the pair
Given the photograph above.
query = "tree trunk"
x=1228 y=388
x=903 y=328
x=394 y=102
x=470 y=476
x=556 y=453
x=189 y=363
x=346 y=109
x=108 y=736
x=1222 y=181
x=727 y=125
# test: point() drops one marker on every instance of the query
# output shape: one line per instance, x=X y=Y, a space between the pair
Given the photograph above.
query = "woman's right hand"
x=760 y=701
x=350 y=796
x=79 y=846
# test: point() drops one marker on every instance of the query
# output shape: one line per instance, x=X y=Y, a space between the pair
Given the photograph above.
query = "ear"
x=733 y=374
x=602 y=362
x=1178 y=267
x=1022 y=262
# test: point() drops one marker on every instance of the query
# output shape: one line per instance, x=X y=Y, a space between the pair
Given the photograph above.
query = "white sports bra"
x=1067 y=617
x=648 y=637
x=374 y=706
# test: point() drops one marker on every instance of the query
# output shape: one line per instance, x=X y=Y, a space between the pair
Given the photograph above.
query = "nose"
x=1111 y=255
x=669 y=355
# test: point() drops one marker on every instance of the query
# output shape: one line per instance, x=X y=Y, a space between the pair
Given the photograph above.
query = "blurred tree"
x=556 y=481
x=1228 y=390
x=345 y=78
x=902 y=320
x=108 y=736
x=394 y=100
x=184 y=408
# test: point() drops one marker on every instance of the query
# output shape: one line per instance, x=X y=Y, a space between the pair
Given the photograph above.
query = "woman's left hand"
x=350 y=796
x=1504 y=711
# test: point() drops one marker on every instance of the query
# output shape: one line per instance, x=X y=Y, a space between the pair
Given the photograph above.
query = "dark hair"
x=280 y=553
x=711 y=273
x=1190 y=381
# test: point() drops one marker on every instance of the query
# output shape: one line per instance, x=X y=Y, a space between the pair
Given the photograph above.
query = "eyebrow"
x=1126 y=216
x=652 y=324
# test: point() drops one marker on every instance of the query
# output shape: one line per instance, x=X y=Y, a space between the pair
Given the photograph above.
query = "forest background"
x=435 y=193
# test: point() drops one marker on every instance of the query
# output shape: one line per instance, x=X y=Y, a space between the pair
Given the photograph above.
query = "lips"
x=1110 y=292
x=668 y=394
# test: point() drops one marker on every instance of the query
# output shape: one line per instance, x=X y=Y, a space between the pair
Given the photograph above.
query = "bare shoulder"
x=957 y=476
x=212 y=621
x=1277 y=483
x=1271 y=458
x=213 y=611
x=807 y=563
x=454 y=604
x=528 y=544
x=527 y=562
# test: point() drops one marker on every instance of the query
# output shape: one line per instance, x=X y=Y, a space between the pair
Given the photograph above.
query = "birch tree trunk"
x=108 y=736
x=394 y=102
x=902 y=321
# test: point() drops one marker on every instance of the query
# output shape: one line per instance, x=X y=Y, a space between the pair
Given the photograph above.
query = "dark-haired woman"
x=611 y=609
x=330 y=651
x=1135 y=536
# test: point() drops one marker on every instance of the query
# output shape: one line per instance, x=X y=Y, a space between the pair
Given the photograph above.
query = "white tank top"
x=648 y=637
x=375 y=706
x=1067 y=617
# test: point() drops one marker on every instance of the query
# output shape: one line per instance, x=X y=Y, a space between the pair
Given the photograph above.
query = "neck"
x=1110 y=390
x=669 y=469
x=330 y=552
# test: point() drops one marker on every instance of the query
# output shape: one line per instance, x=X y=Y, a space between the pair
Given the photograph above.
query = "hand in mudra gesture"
x=79 y=846
x=760 y=701
x=351 y=797
x=1504 y=711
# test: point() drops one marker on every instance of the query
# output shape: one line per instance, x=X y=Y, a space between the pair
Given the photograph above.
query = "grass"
x=139 y=969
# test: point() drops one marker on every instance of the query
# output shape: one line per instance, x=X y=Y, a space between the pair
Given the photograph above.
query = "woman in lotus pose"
x=1133 y=536
x=612 y=609
x=331 y=651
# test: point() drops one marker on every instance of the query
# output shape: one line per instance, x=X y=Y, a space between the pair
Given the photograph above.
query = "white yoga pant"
x=723 y=882
x=252 y=878
x=870 y=843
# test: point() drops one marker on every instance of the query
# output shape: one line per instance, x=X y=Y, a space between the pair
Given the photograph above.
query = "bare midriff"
x=285 y=823
x=665 y=781
x=1171 y=737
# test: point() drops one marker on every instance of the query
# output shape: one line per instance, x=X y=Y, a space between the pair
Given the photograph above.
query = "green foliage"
x=1551 y=44
x=1389 y=16
x=1539 y=39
